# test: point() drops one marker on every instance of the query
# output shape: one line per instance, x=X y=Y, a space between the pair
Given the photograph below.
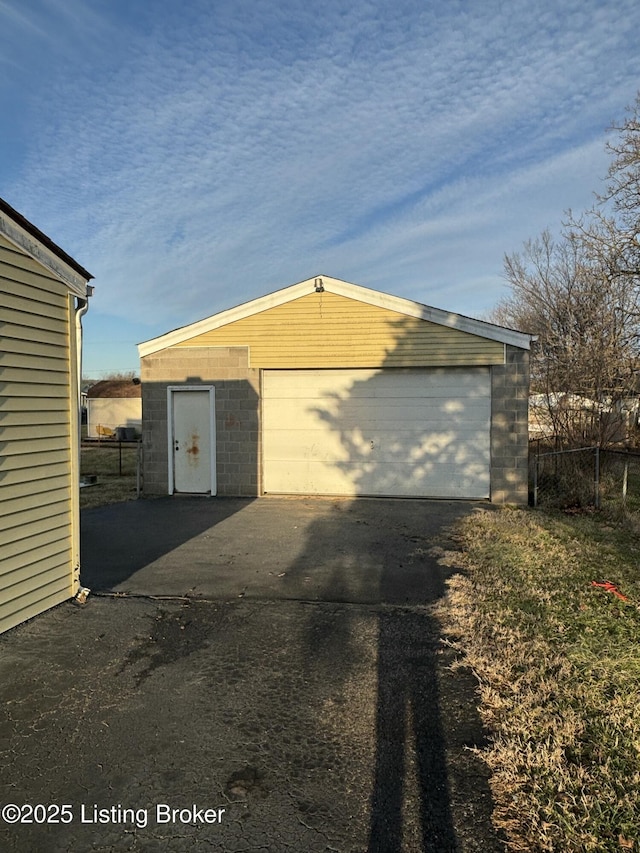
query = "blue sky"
x=199 y=154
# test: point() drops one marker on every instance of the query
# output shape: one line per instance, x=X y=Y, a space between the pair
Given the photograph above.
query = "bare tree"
x=610 y=231
x=580 y=296
x=584 y=364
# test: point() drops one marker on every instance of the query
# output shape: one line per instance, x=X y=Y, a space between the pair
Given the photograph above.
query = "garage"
x=329 y=388
x=394 y=432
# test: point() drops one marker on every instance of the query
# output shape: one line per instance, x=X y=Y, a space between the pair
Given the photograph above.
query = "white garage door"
x=412 y=433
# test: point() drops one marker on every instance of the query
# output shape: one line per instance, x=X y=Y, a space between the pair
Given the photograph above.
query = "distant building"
x=114 y=409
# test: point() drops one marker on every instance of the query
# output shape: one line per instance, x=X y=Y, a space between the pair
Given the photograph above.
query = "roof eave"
x=35 y=243
x=342 y=288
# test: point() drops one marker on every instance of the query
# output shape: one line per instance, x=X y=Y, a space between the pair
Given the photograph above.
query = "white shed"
x=114 y=409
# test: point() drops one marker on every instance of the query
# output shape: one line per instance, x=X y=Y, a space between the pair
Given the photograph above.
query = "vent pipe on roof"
x=319 y=285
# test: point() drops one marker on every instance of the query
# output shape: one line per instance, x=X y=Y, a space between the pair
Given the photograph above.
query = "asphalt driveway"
x=357 y=552
x=247 y=675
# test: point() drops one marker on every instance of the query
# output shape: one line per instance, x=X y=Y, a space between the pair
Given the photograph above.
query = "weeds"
x=558 y=662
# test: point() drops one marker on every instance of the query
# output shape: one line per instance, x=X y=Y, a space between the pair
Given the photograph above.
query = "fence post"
x=535 y=480
x=597 y=479
x=138 y=467
x=625 y=479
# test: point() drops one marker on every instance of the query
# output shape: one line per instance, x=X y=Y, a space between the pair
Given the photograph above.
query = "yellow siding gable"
x=329 y=330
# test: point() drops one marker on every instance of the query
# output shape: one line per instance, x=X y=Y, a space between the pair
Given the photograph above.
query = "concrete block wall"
x=237 y=414
x=238 y=418
x=510 y=428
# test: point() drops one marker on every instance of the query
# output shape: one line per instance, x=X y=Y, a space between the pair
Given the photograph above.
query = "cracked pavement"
x=305 y=691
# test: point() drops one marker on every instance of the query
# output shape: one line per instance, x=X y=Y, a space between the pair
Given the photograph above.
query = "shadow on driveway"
x=303 y=683
x=425 y=776
x=119 y=540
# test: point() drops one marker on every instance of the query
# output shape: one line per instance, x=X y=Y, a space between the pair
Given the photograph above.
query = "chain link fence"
x=585 y=477
x=112 y=462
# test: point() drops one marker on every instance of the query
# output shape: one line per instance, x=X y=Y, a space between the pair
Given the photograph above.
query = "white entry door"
x=192 y=439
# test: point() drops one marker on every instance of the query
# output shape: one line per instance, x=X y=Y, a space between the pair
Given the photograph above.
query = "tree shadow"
x=367 y=436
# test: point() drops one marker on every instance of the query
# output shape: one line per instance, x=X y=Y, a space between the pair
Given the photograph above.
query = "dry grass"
x=558 y=663
x=112 y=486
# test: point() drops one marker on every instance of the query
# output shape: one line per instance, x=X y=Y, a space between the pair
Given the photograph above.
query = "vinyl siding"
x=329 y=330
x=37 y=526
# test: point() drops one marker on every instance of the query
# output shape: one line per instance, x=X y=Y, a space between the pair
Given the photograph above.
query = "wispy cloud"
x=202 y=154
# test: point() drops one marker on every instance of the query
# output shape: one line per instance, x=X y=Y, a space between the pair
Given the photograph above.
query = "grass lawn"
x=116 y=479
x=558 y=665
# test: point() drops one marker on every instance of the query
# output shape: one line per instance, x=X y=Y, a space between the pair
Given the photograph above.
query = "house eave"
x=33 y=242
